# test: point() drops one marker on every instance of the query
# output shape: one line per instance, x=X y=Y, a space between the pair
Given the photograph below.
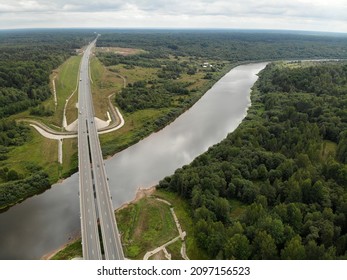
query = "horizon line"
x=177 y=29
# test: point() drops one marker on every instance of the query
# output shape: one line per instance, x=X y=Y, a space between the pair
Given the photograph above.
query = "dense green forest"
x=228 y=45
x=276 y=187
x=27 y=59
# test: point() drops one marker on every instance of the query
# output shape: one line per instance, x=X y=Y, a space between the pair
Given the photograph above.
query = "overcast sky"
x=313 y=15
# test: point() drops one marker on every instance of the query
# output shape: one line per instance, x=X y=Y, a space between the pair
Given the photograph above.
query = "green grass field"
x=182 y=210
x=39 y=151
x=137 y=125
x=70 y=157
x=175 y=250
x=145 y=226
x=67 y=84
x=135 y=74
x=148 y=224
x=104 y=83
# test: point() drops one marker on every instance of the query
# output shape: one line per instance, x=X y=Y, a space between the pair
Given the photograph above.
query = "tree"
x=238 y=247
x=262 y=172
x=222 y=209
x=294 y=216
x=202 y=213
x=264 y=247
x=12 y=175
x=253 y=213
x=313 y=251
x=236 y=228
x=268 y=191
x=273 y=227
x=293 y=250
x=191 y=71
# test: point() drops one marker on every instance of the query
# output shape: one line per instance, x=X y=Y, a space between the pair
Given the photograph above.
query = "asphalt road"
x=95 y=199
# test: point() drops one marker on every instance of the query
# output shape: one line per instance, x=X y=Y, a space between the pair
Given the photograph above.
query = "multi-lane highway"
x=95 y=199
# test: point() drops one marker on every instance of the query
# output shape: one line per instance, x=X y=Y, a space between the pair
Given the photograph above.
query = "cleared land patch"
x=120 y=51
x=145 y=226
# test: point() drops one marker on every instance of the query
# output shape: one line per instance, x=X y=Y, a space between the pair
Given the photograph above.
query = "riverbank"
x=56 y=211
x=158 y=215
x=287 y=156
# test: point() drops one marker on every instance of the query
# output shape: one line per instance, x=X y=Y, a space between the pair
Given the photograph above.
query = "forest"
x=165 y=88
x=276 y=188
x=27 y=60
x=229 y=45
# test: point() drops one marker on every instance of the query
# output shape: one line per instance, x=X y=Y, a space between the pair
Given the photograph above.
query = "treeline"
x=162 y=90
x=146 y=60
x=19 y=189
x=228 y=45
x=138 y=96
x=12 y=133
x=276 y=187
x=41 y=111
x=27 y=60
x=13 y=185
x=150 y=94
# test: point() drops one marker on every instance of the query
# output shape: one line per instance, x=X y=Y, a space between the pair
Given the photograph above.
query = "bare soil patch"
x=120 y=51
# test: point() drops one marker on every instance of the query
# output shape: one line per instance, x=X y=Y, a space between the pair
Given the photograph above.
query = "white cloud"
x=296 y=14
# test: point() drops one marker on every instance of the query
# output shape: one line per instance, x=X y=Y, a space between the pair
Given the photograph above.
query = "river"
x=45 y=222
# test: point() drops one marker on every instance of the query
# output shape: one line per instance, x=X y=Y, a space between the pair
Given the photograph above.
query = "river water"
x=47 y=221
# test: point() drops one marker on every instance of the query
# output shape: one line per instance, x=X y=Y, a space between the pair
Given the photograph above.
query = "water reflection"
x=47 y=221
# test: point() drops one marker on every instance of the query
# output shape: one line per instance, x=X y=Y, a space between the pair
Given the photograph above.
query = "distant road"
x=95 y=199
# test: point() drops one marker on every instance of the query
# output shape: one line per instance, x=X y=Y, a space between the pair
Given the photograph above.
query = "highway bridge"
x=95 y=200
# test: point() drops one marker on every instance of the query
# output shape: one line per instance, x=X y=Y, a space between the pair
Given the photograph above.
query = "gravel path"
x=182 y=235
